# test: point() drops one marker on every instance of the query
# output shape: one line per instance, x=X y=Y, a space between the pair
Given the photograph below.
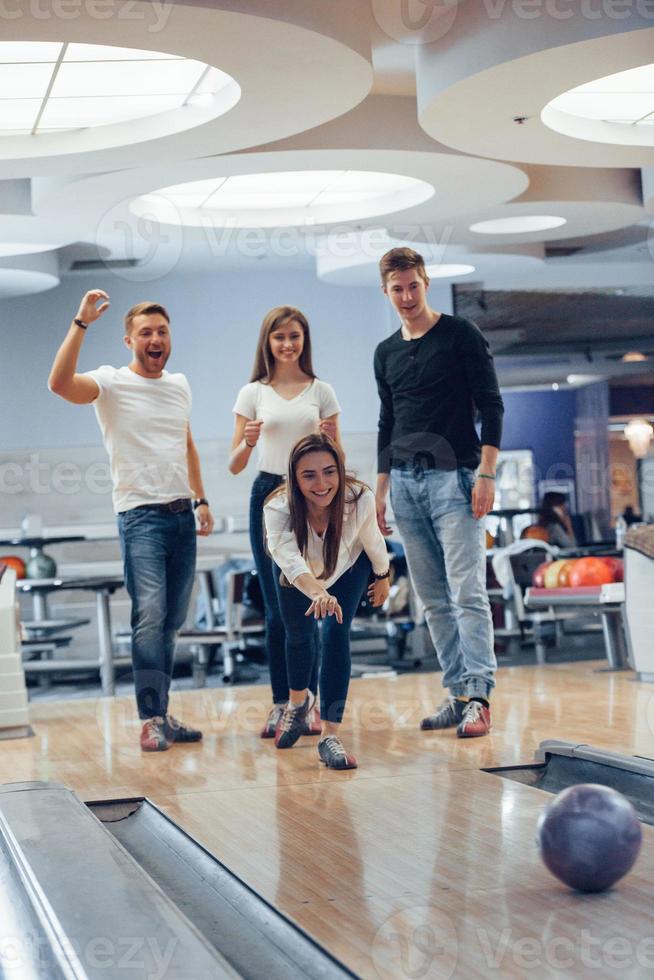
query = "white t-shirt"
x=360 y=533
x=285 y=421
x=144 y=423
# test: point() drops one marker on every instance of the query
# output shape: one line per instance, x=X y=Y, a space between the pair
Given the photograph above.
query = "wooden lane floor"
x=415 y=865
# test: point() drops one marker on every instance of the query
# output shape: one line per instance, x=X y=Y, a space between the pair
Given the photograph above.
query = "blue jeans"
x=446 y=555
x=264 y=484
x=303 y=643
x=158 y=550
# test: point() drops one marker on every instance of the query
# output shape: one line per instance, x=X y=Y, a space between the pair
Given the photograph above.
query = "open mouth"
x=321 y=493
x=155 y=354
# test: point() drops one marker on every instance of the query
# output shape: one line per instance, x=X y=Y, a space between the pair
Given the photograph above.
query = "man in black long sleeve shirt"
x=433 y=376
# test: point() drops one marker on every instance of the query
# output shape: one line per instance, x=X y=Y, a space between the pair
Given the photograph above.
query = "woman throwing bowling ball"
x=322 y=534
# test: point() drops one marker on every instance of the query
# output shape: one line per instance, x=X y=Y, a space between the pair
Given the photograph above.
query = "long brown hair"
x=264 y=362
x=299 y=518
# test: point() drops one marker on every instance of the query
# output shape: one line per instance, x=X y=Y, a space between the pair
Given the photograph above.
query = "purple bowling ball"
x=589 y=837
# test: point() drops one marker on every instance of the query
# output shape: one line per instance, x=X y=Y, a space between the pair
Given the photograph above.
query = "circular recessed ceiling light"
x=451 y=271
x=55 y=87
x=518 y=225
x=273 y=200
x=633 y=356
x=617 y=108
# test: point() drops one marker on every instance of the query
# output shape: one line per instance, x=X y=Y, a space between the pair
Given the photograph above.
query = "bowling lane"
x=442 y=869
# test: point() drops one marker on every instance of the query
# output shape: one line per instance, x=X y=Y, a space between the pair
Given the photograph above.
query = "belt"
x=179 y=506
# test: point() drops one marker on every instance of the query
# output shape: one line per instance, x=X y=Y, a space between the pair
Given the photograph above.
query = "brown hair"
x=316 y=443
x=401 y=259
x=144 y=309
x=264 y=363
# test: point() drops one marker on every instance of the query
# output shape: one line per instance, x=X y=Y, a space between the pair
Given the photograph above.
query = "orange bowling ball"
x=538 y=575
x=590 y=571
x=552 y=573
x=564 y=573
x=13 y=561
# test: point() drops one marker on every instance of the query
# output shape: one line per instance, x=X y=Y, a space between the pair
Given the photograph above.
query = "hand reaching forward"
x=325 y=605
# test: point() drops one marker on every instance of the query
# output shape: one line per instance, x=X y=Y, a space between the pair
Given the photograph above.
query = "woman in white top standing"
x=322 y=533
x=283 y=402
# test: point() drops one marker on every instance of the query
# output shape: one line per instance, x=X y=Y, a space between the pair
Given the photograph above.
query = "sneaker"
x=447 y=715
x=153 y=735
x=176 y=732
x=293 y=723
x=272 y=721
x=476 y=720
x=333 y=754
x=313 y=725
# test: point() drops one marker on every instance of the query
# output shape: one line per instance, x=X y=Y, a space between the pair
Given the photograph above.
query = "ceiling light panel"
x=283 y=199
x=520 y=224
x=25 y=81
x=29 y=51
x=608 y=106
x=95 y=85
x=69 y=113
x=109 y=78
x=18 y=114
x=449 y=271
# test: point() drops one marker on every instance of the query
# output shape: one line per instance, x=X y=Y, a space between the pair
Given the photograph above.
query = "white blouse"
x=360 y=533
x=285 y=420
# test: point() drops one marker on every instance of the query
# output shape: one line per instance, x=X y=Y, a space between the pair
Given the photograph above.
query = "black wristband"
x=379 y=578
x=80 y=323
x=200 y=503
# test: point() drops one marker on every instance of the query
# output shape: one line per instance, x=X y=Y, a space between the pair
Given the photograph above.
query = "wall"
x=542 y=421
x=215 y=323
x=51 y=457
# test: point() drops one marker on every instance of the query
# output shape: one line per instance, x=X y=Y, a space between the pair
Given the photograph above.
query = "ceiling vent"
x=92 y=265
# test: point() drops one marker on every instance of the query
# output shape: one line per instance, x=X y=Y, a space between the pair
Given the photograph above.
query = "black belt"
x=179 y=506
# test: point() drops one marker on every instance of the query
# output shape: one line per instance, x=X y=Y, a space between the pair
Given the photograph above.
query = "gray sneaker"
x=293 y=723
x=333 y=754
x=447 y=715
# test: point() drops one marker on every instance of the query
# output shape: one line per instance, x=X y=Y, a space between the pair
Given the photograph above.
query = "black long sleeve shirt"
x=431 y=390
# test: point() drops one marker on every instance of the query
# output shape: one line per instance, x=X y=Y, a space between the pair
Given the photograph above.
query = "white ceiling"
x=450 y=94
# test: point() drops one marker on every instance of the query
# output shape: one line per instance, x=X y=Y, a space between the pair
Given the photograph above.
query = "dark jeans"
x=302 y=639
x=158 y=551
x=264 y=484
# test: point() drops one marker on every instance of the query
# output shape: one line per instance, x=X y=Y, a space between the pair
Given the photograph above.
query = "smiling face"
x=149 y=341
x=317 y=478
x=407 y=291
x=286 y=342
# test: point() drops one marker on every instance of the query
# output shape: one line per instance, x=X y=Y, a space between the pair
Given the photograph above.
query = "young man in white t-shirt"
x=143 y=412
